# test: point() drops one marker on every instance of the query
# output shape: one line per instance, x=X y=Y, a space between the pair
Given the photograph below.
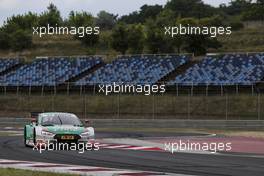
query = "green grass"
x=167 y=106
x=20 y=172
x=245 y=40
x=58 y=45
x=7 y=133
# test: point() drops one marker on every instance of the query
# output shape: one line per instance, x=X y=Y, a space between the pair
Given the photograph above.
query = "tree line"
x=140 y=31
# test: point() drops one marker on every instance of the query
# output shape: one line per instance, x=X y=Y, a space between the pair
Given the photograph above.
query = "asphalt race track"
x=12 y=147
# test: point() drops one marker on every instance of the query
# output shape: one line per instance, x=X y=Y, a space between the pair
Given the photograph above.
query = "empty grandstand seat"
x=147 y=69
x=49 y=71
x=230 y=69
x=7 y=63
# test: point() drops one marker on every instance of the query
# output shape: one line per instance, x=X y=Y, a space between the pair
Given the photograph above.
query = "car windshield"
x=60 y=119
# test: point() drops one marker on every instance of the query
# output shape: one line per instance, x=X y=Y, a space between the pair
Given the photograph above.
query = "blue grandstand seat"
x=230 y=69
x=8 y=63
x=141 y=70
x=48 y=71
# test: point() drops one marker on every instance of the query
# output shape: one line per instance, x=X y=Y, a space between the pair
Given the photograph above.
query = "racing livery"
x=55 y=127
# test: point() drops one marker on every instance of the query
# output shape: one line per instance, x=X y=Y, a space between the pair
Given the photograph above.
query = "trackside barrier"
x=13 y=121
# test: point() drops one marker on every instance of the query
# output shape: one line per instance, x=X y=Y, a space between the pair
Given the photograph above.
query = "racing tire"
x=25 y=138
x=34 y=136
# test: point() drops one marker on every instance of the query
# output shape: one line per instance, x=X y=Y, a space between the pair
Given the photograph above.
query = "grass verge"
x=20 y=172
x=9 y=133
x=233 y=107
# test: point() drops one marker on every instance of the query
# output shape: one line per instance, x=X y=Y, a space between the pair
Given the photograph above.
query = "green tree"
x=197 y=44
x=119 y=40
x=190 y=8
x=165 y=18
x=24 y=22
x=78 y=19
x=136 y=38
x=83 y=19
x=149 y=11
x=236 y=7
x=255 y=12
x=20 y=40
x=178 y=42
x=51 y=16
x=145 y=12
x=155 y=39
x=132 y=18
x=4 y=40
x=104 y=42
x=16 y=31
x=215 y=20
x=106 y=20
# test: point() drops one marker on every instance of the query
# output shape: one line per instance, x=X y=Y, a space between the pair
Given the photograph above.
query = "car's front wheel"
x=34 y=136
x=25 y=137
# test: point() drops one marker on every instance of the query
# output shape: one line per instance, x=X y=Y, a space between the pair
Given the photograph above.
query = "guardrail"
x=156 y=123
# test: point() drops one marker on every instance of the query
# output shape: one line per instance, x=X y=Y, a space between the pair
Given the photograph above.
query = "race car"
x=56 y=127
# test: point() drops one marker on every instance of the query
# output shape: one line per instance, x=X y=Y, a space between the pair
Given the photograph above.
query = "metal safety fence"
x=177 y=102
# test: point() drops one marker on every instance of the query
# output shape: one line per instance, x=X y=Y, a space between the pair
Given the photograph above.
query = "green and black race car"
x=54 y=127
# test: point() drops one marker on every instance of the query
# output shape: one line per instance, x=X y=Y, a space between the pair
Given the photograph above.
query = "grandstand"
x=48 y=71
x=141 y=69
x=229 y=69
x=214 y=70
x=9 y=63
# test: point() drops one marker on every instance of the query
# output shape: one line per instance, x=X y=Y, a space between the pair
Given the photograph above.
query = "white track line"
x=117 y=146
